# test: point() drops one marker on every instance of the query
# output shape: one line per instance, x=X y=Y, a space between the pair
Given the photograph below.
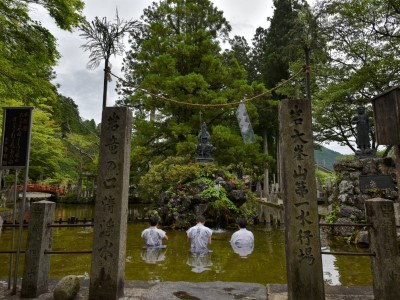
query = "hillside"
x=326 y=157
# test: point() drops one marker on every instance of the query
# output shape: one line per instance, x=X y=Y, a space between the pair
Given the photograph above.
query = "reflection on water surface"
x=266 y=263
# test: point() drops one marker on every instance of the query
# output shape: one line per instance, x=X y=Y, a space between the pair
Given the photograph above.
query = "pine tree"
x=177 y=56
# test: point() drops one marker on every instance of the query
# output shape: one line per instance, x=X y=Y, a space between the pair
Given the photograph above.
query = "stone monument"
x=111 y=210
x=204 y=148
x=303 y=247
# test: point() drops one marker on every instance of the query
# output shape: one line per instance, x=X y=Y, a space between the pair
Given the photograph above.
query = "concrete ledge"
x=144 y=290
x=217 y=290
x=279 y=292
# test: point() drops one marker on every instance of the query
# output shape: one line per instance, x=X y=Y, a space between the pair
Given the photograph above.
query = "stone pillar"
x=385 y=264
x=397 y=162
x=111 y=209
x=37 y=264
x=397 y=213
x=298 y=186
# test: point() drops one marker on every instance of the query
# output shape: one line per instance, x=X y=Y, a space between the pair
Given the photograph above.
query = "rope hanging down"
x=304 y=69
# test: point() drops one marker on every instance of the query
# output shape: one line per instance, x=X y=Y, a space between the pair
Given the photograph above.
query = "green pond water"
x=266 y=264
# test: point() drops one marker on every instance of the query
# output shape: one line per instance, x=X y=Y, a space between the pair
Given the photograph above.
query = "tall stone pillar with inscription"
x=303 y=249
x=110 y=226
x=37 y=263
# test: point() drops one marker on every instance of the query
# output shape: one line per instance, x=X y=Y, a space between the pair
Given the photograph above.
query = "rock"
x=363 y=238
x=238 y=197
x=351 y=212
x=344 y=230
x=67 y=288
x=346 y=187
x=370 y=166
x=345 y=198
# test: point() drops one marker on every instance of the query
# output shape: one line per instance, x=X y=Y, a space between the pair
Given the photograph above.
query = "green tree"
x=176 y=55
x=363 y=61
x=273 y=51
x=48 y=154
x=28 y=54
x=241 y=50
x=281 y=47
x=28 y=50
x=66 y=113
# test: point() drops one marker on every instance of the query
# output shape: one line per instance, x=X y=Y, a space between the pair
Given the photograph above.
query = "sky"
x=85 y=86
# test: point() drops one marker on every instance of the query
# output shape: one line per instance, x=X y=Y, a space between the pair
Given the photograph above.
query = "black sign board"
x=379 y=182
x=16 y=139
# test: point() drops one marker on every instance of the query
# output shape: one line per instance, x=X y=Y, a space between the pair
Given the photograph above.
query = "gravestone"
x=298 y=184
x=111 y=209
x=37 y=263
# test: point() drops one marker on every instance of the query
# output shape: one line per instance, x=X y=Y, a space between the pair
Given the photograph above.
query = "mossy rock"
x=67 y=288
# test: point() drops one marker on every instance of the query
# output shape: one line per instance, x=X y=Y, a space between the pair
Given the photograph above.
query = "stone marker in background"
x=111 y=210
x=37 y=264
x=303 y=250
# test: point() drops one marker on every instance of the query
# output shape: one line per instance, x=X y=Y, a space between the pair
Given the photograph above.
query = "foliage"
x=28 y=50
x=217 y=196
x=346 y=157
x=248 y=156
x=333 y=215
x=325 y=157
x=348 y=239
x=51 y=158
x=28 y=54
x=66 y=13
x=85 y=150
x=68 y=198
x=177 y=55
x=178 y=188
x=274 y=51
x=322 y=177
x=47 y=153
x=363 y=49
x=173 y=171
x=281 y=46
x=66 y=113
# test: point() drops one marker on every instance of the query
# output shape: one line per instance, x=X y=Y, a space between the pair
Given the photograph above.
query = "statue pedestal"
x=367 y=153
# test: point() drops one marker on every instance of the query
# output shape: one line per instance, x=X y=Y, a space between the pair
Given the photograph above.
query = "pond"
x=266 y=264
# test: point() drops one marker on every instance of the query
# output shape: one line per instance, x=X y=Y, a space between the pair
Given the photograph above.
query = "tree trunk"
x=266 y=170
x=308 y=75
x=79 y=189
x=105 y=82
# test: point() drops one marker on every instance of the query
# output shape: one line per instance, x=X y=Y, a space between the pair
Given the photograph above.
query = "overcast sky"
x=85 y=86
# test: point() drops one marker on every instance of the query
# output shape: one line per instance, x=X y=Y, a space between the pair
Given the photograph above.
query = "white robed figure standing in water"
x=242 y=241
x=199 y=236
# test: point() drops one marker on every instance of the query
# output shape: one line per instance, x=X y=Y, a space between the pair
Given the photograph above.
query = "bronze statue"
x=204 y=147
x=363 y=128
